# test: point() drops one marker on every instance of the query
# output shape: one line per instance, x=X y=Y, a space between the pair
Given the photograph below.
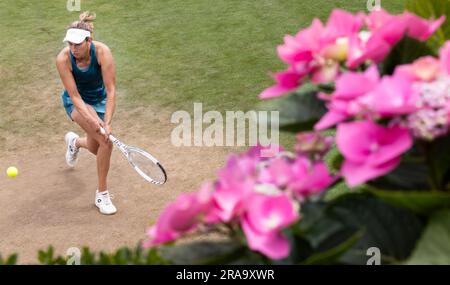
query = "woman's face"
x=80 y=50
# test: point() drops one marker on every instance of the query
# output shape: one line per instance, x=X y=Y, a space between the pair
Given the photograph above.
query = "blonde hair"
x=85 y=22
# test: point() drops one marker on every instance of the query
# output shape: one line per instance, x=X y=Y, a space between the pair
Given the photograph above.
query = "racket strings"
x=147 y=167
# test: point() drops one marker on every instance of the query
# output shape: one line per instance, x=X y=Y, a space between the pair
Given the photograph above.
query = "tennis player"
x=87 y=71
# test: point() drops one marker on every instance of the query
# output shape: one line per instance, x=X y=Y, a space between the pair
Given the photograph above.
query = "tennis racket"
x=144 y=163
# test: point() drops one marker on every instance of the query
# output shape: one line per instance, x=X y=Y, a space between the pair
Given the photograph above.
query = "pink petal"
x=268 y=214
x=340 y=24
x=354 y=139
x=445 y=57
x=330 y=119
x=229 y=199
x=292 y=51
x=358 y=173
x=426 y=68
x=326 y=73
x=377 y=19
x=310 y=179
x=392 y=143
x=310 y=37
x=184 y=214
x=351 y=85
x=376 y=49
x=278 y=172
x=301 y=47
x=274 y=245
x=391 y=29
x=420 y=28
x=394 y=96
x=287 y=81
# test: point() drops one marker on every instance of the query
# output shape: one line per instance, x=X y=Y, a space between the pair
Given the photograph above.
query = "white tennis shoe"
x=72 y=150
x=104 y=203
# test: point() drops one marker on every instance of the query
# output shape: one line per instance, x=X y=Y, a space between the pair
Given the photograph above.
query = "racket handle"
x=102 y=130
x=111 y=138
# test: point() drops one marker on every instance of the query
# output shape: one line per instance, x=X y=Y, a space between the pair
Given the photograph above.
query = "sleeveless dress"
x=90 y=85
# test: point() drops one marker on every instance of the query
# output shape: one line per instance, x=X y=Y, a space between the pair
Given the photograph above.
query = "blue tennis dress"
x=89 y=84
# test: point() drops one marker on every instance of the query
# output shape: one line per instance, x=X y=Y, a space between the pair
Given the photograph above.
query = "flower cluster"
x=377 y=117
x=347 y=41
x=260 y=195
x=413 y=103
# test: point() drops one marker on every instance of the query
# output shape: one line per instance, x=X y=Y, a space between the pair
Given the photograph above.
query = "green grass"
x=169 y=54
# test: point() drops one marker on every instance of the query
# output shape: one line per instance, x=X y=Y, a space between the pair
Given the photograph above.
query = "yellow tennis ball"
x=12 y=171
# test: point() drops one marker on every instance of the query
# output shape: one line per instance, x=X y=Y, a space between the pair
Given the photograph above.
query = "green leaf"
x=404 y=52
x=334 y=159
x=87 y=258
x=328 y=88
x=341 y=189
x=420 y=202
x=434 y=245
x=298 y=111
x=438 y=158
x=409 y=175
x=204 y=252
x=46 y=257
x=433 y=9
x=332 y=255
x=122 y=256
x=318 y=233
x=11 y=260
x=393 y=230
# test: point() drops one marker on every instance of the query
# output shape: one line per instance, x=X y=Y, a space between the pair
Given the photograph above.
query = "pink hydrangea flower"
x=263 y=220
x=318 y=51
x=309 y=178
x=180 y=217
x=303 y=46
x=430 y=80
x=287 y=81
x=344 y=102
x=278 y=173
x=315 y=51
x=424 y=69
x=229 y=199
x=370 y=150
x=384 y=32
x=394 y=95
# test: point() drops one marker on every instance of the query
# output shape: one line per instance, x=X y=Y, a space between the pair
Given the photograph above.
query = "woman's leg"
x=96 y=144
x=88 y=143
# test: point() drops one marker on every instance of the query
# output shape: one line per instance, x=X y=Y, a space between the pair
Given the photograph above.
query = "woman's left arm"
x=109 y=79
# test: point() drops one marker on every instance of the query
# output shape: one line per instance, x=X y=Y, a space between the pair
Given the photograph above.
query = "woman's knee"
x=93 y=148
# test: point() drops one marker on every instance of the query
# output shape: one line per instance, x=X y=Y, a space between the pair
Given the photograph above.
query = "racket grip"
x=102 y=131
x=111 y=137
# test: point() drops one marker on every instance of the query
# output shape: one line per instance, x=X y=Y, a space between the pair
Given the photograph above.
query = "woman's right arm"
x=69 y=83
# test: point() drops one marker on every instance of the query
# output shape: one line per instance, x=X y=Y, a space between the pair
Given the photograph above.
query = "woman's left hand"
x=108 y=130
